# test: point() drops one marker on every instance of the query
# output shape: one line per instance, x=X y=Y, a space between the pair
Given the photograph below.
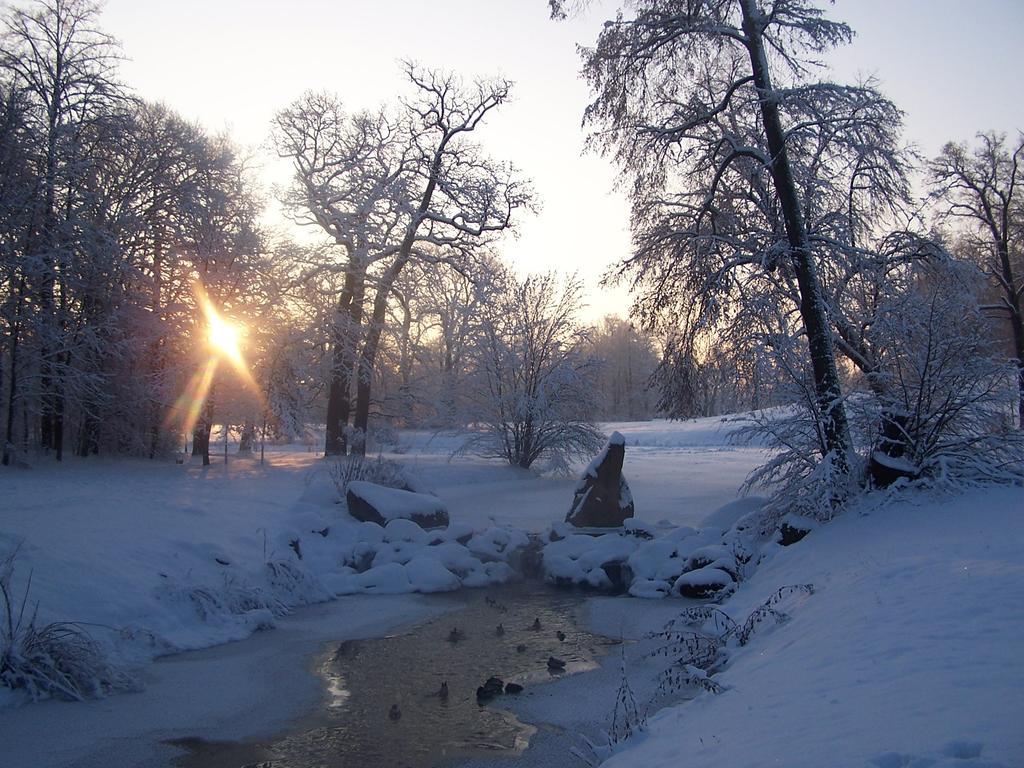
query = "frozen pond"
x=384 y=704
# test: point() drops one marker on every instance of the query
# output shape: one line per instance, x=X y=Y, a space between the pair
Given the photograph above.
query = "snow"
x=898 y=463
x=908 y=652
x=394 y=503
x=703 y=577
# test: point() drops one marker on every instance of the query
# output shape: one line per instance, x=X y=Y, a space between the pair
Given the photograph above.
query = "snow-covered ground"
x=906 y=655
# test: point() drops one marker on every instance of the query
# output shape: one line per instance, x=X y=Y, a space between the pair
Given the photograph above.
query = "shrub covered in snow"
x=57 y=659
x=379 y=471
x=697 y=640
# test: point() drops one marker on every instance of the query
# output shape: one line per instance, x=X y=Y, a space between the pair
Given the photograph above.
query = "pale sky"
x=951 y=65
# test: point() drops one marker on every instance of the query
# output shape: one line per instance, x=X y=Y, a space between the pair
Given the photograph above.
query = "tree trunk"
x=368 y=357
x=12 y=392
x=88 y=437
x=812 y=310
x=1016 y=324
x=47 y=241
x=344 y=335
x=201 y=431
x=157 y=350
x=245 y=442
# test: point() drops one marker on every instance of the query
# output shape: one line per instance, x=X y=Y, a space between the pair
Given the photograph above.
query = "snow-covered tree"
x=62 y=69
x=741 y=167
x=391 y=187
x=982 y=188
x=534 y=395
x=628 y=358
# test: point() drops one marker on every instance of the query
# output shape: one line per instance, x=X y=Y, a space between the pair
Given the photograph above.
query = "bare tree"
x=535 y=396
x=389 y=188
x=983 y=188
x=628 y=359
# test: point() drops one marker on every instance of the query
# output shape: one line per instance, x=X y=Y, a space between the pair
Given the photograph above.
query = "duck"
x=560 y=635
x=520 y=648
x=499 y=630
x=395 y=713
x=443 y=693
x=455 y=635
x=555 y=665
x=536 y=625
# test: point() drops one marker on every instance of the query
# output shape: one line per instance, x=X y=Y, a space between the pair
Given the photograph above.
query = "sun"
x=224 y=336
x=224 y=340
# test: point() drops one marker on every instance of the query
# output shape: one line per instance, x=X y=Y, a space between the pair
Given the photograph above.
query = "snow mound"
x=650 y=562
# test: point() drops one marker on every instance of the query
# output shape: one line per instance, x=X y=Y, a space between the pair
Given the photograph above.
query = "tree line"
x=118 y=219
x=781 y=256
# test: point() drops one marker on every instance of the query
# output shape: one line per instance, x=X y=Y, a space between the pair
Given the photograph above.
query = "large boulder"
x=602 y=498
x=379 y=504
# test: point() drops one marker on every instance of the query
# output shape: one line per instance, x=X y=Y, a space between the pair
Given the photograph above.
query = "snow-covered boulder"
x=602 y=498
x=794 y=527
x=886 y=470
x=374 y=503
x=592 y=561
x=704 y=583
x=428 y=575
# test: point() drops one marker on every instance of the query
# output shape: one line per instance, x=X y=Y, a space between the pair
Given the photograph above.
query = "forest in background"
x=783 y=254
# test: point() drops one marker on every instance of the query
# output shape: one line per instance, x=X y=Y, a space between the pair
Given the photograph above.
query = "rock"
x=794 y=528
x=494 y=686
x=560 y=635
x=521 y=648
x=619 y=574
x=704 y=583
x=889 y=461
x=455 y=635
x=886 y=470
x=499 y=630
x=513 y=688
x=374 y=503
x=602 y=498
x=395 y=713
x=555 y=665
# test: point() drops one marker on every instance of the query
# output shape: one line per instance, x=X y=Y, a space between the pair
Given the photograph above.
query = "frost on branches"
x=534 y=394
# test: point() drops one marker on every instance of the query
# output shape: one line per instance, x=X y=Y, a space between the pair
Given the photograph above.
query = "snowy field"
x=906 y=655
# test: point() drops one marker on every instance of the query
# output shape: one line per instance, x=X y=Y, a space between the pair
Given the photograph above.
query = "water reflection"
x=385 y=705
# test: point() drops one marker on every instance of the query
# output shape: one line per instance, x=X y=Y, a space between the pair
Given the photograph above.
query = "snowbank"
x=158 y=558
x=652 y=562
x=908 y=653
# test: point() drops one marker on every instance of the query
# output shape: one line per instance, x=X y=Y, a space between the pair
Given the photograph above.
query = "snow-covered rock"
x=704 y=583
x=602 y=497
x=374 y=503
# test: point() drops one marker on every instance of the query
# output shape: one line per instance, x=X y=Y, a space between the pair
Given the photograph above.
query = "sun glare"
x=224 y=341
x=224 y=336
